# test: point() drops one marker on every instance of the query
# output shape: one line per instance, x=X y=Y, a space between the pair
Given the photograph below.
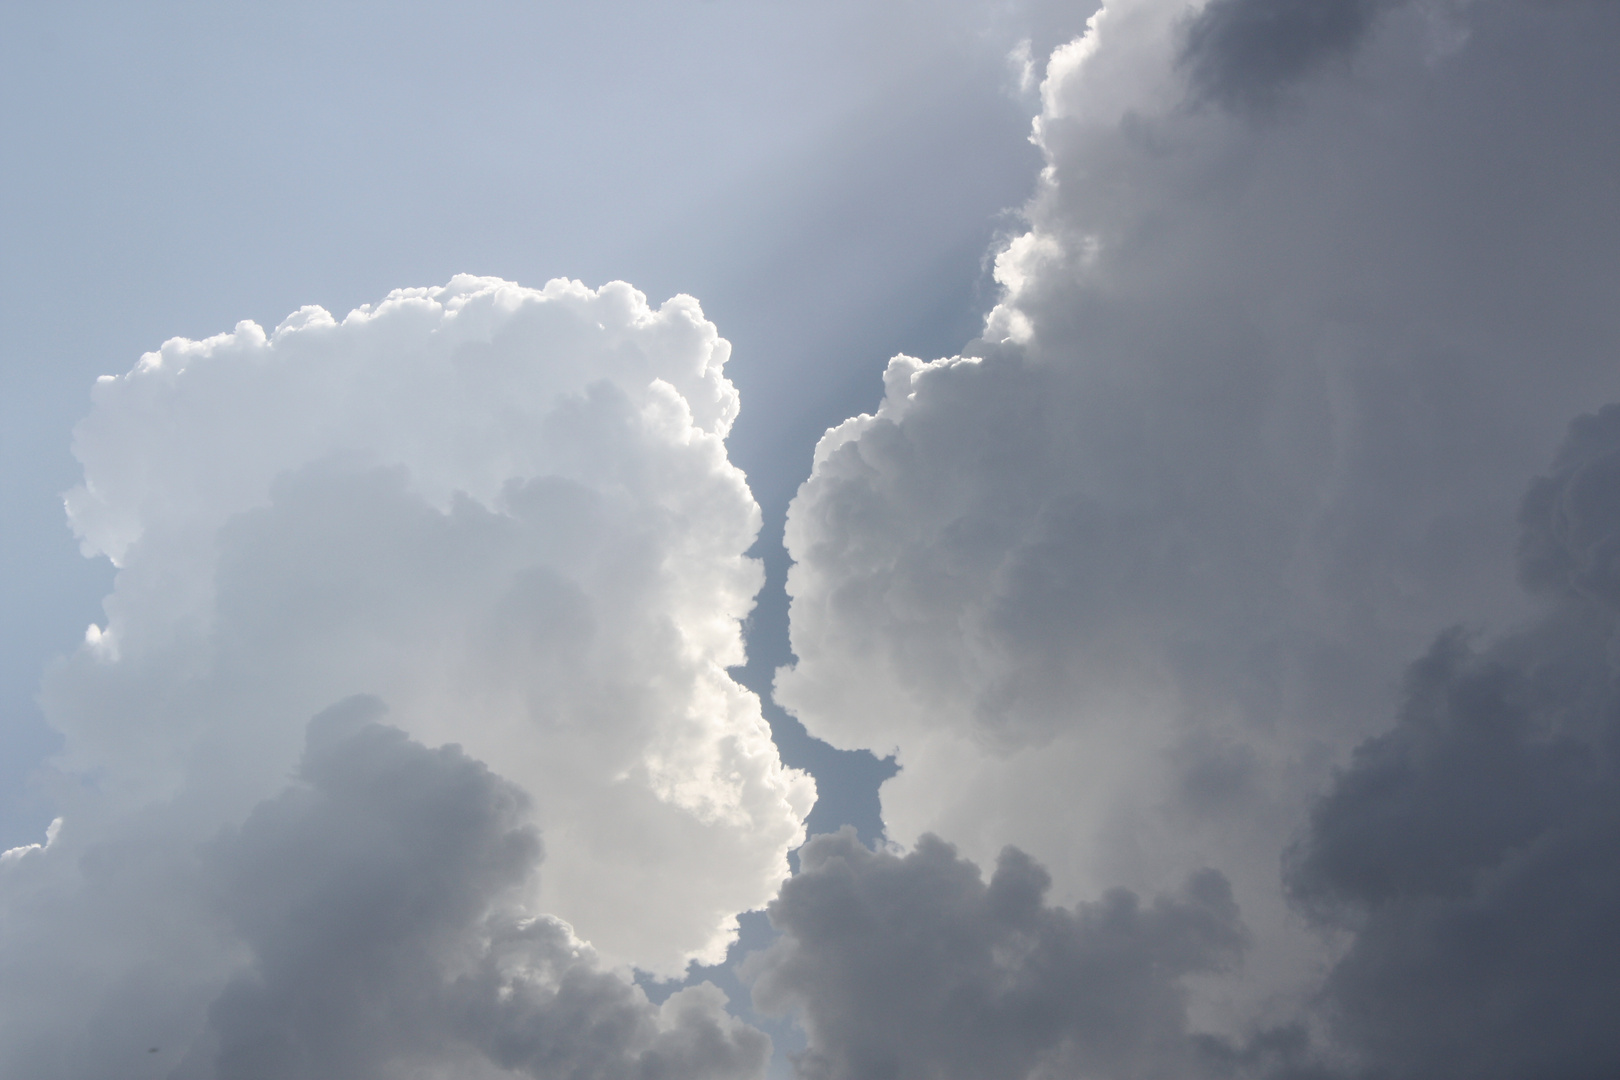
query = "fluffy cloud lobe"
x=505 y=513
x=914 y=966
x=375 y=896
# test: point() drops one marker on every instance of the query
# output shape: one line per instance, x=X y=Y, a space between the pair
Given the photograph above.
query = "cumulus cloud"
x=375 y=897
x=1466 y=849
x=1130 y=585
x=507 y=513
x=367 y=921
x=914 y=966
x=1125 y=580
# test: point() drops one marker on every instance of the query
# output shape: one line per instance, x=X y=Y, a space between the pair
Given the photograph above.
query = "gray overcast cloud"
x=1308 y=297
x=1237 y=594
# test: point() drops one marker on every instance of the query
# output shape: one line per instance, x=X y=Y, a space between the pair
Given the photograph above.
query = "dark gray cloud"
x=1470 y=848
x=1284 y=1052
x=377 y=899
x=1571 y=519
x=351 y=889
x=1243 y=52
x=914 y=966
x=1252 y=423
x=1463 y=855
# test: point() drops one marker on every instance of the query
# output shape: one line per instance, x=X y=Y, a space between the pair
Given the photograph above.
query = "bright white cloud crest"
x=507 y=513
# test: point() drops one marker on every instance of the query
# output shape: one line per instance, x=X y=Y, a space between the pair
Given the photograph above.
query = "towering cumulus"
x=482 y=515
x=1308 y=294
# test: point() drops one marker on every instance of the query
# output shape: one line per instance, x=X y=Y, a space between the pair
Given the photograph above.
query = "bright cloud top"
x=505 y=513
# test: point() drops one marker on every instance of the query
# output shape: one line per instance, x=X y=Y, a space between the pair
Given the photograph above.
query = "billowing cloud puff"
x=1249 y=425
x=913 y=967
x=505 y=512
x=378 y=899
x=374 y=896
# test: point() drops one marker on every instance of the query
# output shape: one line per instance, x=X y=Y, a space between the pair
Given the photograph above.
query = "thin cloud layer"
x=506 y=513
x=1250 y=424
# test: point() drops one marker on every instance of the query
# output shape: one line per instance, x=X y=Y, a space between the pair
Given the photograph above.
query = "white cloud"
x=22 y=851
x=506 y=512
x=1272 y=367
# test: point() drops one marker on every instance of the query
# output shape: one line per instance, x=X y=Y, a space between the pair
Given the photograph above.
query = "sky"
x=844 y=541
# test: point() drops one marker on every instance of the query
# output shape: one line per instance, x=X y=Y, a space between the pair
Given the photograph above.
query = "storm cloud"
x=1467 y=848
x=914 y=966
x=1127 y=580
